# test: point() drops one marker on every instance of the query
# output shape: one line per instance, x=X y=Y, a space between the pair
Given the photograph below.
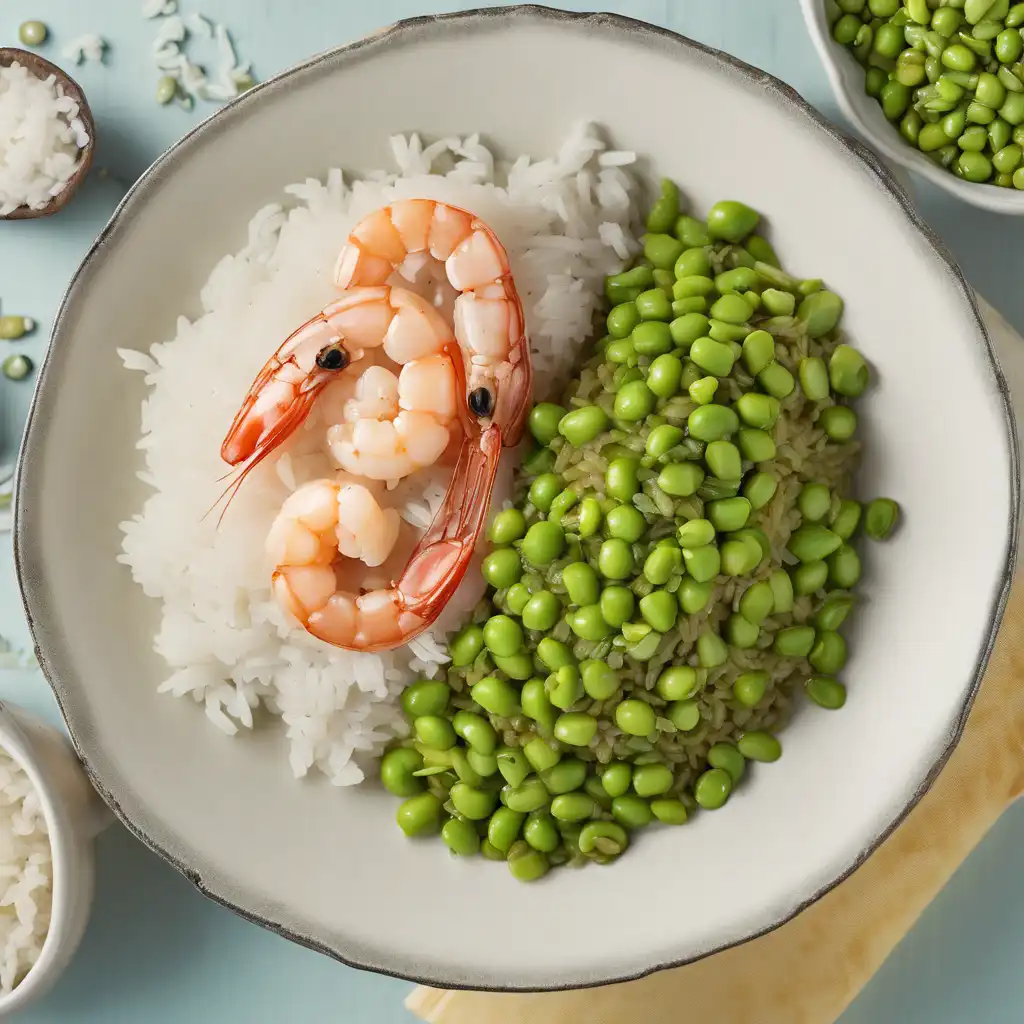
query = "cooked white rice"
x=26 y=875
x=566 y=222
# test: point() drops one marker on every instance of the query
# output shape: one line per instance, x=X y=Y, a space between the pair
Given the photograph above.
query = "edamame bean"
x=541 y=832
x=652 y=338
x=543 y=422
x=659 y=567
x=739 y=631
x=844 y=567
x=475 y=730
x=810 y=543
x=564 y=687
x=460 y=837
x=634 y=401
x=712 y=788
x=396 y=771
x=654 y=304
x=635 y=717
x=503 y=636
x=631 y=811
x=794 y=641
x=512 y=765
x=542 y=611
x=543 y=491
x=777 y=380
x=693 y=595
x=839 y=422
x=826 y=692
x=680 y=479
x=732 y=220
x=425 y=697
x=537 y=705
x=880 y=518
x=759 y=746
x=814 y=502
x=652 y=780
x=615 y=559
x=582 y=425
x=600 y=681
x=662 y=250
x=434 y=732
x=711 y=650
x=502 y=567
x=626 y=523
x=729 y=514
x=703 y=564
x=696 y=533
x=759 y=489
x=526 y=863
x=659 y=610
x=728 y=758
x=581 y=583
x=809 y=577
x=828 y=655
x=684 y=714
x=419 y=815
x=496 y=696
x=578 y=806
x=621 y=480
x=622 y=319
x=724 y=460
x=756 y=445
x=712 y=423
x=848 y=373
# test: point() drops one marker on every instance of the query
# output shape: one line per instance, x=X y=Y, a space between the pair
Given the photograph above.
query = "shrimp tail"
x=442 y=556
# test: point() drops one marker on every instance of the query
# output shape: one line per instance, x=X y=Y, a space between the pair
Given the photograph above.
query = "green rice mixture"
x=674 y=571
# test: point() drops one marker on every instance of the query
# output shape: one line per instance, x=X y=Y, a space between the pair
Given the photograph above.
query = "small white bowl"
x=847 y=79
x=74 y=816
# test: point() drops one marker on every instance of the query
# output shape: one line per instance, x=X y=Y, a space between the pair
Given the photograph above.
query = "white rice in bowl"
x=566 y=222
x=26 y=874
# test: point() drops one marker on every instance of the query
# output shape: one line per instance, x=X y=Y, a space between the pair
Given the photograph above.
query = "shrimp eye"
x=332 y=357
x=480 y=402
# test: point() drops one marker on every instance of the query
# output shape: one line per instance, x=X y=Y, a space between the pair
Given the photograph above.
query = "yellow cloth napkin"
x=809 y=970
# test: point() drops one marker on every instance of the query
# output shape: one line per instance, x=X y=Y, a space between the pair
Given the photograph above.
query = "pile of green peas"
x=576 y=695
x=950 y=74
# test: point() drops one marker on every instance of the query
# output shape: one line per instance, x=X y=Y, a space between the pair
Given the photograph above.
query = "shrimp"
x=489 y=357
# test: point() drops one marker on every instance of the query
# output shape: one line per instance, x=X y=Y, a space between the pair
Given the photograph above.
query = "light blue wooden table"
x=158 y=953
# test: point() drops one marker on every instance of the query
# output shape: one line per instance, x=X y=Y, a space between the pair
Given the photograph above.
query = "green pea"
x=848 y=373
x=758 y=410
x=678 y=682
x=654 y=305
x=778 y=303
x=512 y=765
x=615 y=559
x=621 y=480
x=543 y=491
x=738 y=631
x=460 y=837
x=826 y=692
x=880 y=518
x=809 y=577
x=563 y=687
x=727 y=758
x=731 y=221
x=542 y=611
x=693 y=595
x=419 y=815
x=724 y=460
x=757 y=602
x=527 y=864
x=32 y=33
x=844 y=567
x=1009 y=46
x=760 y=489
x=635 y=717
x=712 y=422
x=576 y=806
x=554 y=654
x=425 y=697
x=669 y=812
x=543 y=543
x=633 y=812
x=661 y=564
x=696 y=533
x=1008 y=159
x=502 y=568
x=692 y=286
x=581 y=426
x=634 y=401
x=543 y=423
x=828 y=655
x=712 y=788
x=703 y=563
x=794 y=642
x=814 y=502
x=625 y=522
x=812 y=542
x=659 y=610
x=507 y=526
x=600 y=681
x=503 y=636
x=839 y=422
x=652 y=779
x=396 y=771
x=664 y=375
x=537 y=705
x=476 y=731
x=729 y=514
x=662 y=250
x=496 y=696
x=541 y=832
x=759 y=746
x=749 y=688
x=703 y=391
x=622 y=319
x=757 y=445
x=681 y=479
x=732 y=309
x=626 y=286
x=711 y=650
x=777 y=380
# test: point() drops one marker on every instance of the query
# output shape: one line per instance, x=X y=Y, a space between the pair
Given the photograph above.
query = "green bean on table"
x=677 y=565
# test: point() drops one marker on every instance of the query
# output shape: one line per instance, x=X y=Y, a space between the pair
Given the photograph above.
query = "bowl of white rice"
x=49 y=815
x=242 y=749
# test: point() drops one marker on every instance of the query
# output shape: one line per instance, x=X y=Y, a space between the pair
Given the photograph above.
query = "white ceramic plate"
x=847 y=79
x=328 y=868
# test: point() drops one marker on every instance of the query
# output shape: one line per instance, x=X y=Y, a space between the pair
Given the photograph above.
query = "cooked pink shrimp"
x=490 y=355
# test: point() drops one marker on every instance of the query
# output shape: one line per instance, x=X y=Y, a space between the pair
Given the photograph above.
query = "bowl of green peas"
x=936 y=86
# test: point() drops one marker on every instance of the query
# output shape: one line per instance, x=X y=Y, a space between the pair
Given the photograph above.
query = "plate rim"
x=404 y=31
